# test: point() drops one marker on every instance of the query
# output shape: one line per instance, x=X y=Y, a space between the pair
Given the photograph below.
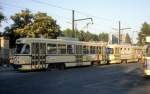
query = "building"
x=4 y=50
x=114 y=38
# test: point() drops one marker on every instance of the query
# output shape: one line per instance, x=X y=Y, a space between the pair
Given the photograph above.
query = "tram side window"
x=51 y=49
x=124 y=48
x=42 y=48
x=85 y=50
x=117 y=51
x=121 y=49
x=78 y=49
x=70 y=49
x=92 y=50
x=61 y=49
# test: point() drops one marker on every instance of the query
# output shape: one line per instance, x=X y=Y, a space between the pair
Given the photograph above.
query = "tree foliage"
x=145 y=31
x=22 y=23
x=27 y=24
x=103 y=37
x=85 y=36
x=127 y=39
x=44 y=25
x=2 y=17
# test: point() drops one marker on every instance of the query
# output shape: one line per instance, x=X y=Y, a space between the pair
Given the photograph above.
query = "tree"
x=27 y=24
x=145 y=31
x=45 y=25
x=103 y=37
x=95 y=37
x=86 y=36
x=67 y=32
x=8 y=32
x=16 y=30
x=127 y=39
x=22 y=22
x=82 y=36
x=2 y=17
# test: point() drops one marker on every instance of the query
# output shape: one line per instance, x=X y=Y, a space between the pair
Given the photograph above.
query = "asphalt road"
x=107 y=79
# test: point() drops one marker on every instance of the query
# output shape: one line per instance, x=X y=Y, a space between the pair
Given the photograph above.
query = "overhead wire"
x=66 y=9
x=20 y=7
x=77 y=11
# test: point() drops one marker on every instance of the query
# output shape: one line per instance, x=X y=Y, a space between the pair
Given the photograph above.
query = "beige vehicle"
x=113 y=53
x=40 y=53
x=129 y=53
x=123 y=53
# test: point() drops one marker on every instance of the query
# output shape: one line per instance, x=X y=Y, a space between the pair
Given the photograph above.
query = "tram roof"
x=58 y=41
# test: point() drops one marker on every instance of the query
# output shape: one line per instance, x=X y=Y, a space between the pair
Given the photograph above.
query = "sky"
x=105 y=13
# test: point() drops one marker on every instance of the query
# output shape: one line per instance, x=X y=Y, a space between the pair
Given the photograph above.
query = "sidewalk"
x=5 y=68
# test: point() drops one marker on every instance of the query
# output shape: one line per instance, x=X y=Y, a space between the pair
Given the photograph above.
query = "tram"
x=129 y=53
x=40 y=53
x=123 y=53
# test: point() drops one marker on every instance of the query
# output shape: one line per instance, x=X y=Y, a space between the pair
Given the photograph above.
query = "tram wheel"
x=124 y=61
x=107 y=62
x=61 y=66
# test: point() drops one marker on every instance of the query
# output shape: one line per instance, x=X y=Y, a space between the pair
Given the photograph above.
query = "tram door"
x=104 y=54
x=79 y=56
x=38 y=56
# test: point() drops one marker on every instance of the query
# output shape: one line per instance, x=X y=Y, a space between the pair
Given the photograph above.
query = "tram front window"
x=22 y=49
x=110 y=51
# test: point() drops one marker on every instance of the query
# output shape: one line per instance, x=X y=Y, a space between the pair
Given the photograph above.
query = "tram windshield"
x=110 y=51
x=22 y=49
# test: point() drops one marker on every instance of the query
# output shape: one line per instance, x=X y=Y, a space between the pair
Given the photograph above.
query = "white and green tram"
x=40 y=53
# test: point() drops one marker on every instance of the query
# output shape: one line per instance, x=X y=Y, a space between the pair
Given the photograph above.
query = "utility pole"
x=120 y=29
x=73 y=24
x=119 y=33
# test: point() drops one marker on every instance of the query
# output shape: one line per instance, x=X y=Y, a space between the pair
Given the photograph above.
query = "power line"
x=52 y=5
x=15 y=6
x=79 y=12
x=87 y=14
x=19 y=7
x=60 y=7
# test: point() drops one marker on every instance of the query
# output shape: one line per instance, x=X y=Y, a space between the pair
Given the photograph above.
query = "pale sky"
x=105 y=13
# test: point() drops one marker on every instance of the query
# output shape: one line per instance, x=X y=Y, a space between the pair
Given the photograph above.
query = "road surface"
x=106 y=79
